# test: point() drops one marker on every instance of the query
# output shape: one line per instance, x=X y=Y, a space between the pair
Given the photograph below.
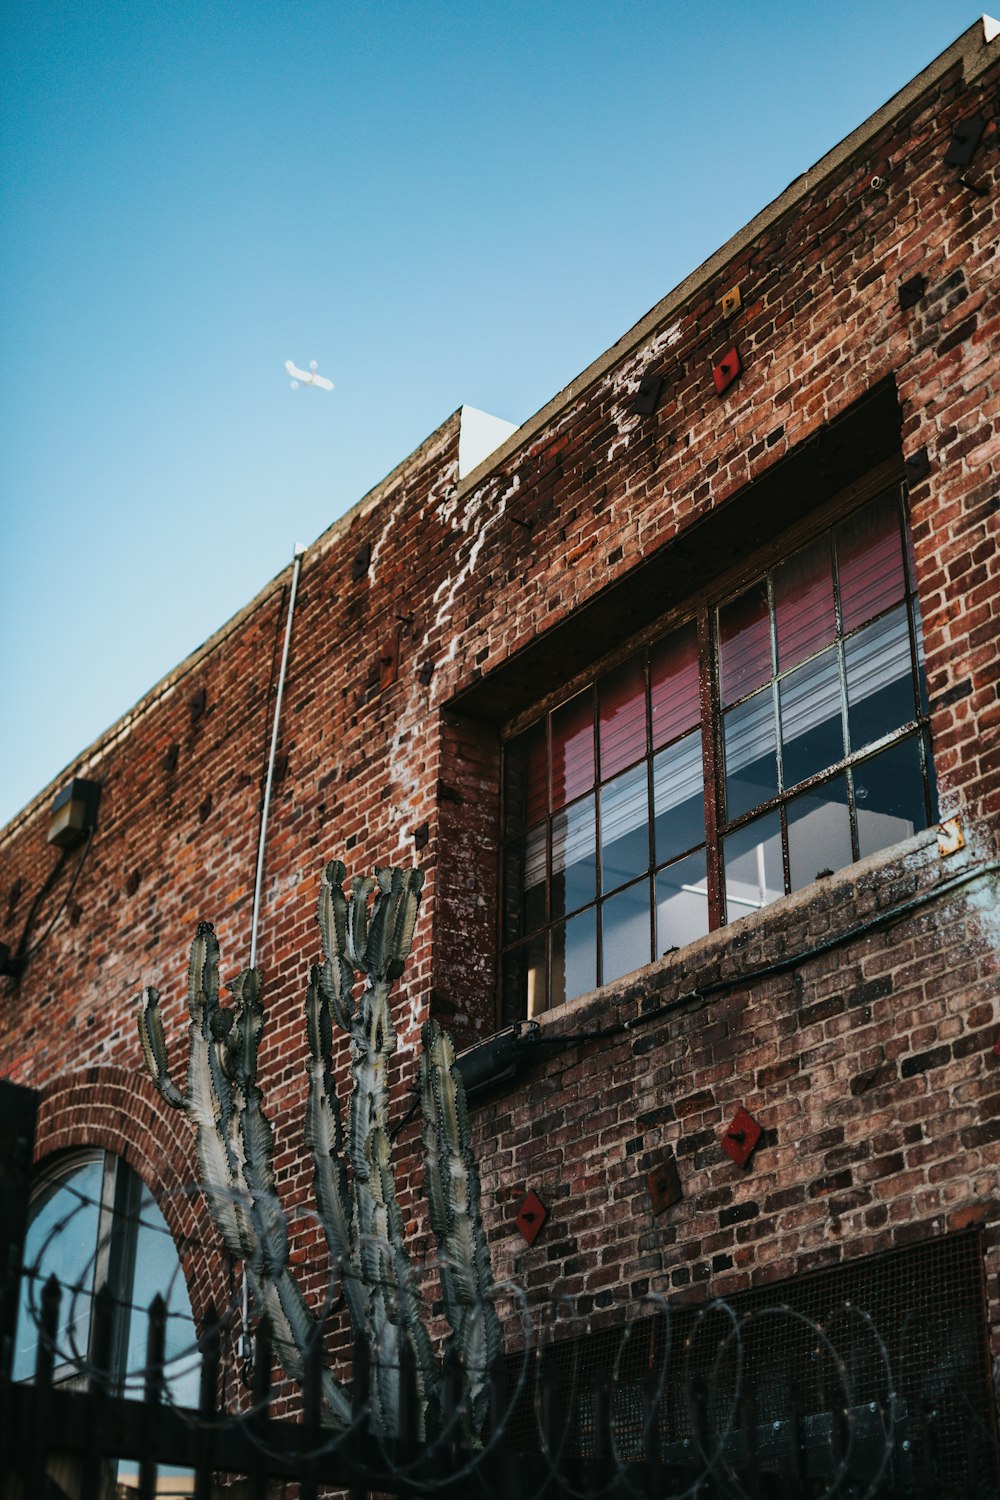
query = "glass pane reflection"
x=157 y=1270
x=870 y=559
x=753 y=868
x=621 y=697
x=525 y=778
x=805 y=618
x=572 y=748
x=673 y=684
x=745 y=642
x=681 y=903
x=625 y=932
x=574 y=957
x=678 y=798
x=889 y=797
x=879 y=679
x=812 y=726
x=751 y=755
x=624 y=828
x=61 y=1240
x=524 y=885
x=574 y=857
x=819 y=832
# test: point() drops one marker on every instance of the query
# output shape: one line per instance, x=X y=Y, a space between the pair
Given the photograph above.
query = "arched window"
x=91 y=1221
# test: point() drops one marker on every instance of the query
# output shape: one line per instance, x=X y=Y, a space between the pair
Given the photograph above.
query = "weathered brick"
x=738 y=1214
x=920 y=1062
x=567 y=550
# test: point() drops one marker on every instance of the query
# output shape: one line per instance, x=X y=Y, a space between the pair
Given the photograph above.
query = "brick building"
x=668 y=696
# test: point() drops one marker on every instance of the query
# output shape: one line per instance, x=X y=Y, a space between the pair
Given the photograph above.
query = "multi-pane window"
x=777 y=732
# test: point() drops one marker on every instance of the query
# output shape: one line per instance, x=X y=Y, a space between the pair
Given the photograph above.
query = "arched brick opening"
x=118 y=1110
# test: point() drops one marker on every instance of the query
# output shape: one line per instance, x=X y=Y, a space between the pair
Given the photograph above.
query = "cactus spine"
x=353 y=1175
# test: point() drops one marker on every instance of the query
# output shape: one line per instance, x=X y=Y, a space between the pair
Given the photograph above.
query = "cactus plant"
x=353 y=1173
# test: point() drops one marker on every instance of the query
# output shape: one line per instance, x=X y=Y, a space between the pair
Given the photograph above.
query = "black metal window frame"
x=703 y=611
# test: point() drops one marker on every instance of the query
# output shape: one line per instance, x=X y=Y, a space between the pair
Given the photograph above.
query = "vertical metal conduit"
x=245 y=1343
x=298 y=555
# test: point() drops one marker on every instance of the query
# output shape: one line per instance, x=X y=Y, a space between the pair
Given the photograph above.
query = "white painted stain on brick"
x=479 y=517
x=623 y=383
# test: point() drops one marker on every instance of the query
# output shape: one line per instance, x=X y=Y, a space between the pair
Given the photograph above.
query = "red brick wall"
x=870 y=1065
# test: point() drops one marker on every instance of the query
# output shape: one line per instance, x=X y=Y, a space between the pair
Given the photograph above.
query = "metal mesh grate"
x=884 y=1358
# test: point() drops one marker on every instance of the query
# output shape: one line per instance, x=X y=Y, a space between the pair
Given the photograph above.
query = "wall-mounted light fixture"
x=74 y=813
x=498 y=1057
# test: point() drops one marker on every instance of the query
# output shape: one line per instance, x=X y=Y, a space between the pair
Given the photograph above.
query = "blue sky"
x=439 y=202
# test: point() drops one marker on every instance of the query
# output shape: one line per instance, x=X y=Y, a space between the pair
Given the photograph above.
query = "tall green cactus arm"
x=376 y=1262
x=396 y=1295
x=394 y=917
x=154 y=1047
x=456 y=1217
x=275 y=1288
x=204 y=1078
x=359 y=1208
x=357 y=920
x=404 y=920
x=255 y=1135
x=324 y=1137
x=373 y=1036
x=234 y=1145
x=338 y=971
x=209 y=1097
x=293 y=1329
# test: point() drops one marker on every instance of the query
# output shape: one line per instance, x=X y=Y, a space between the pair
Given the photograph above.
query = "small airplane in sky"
x=307 y=377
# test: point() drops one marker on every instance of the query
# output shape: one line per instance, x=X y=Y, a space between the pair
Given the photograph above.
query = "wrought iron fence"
x=869 y=1380
x=678 y=1404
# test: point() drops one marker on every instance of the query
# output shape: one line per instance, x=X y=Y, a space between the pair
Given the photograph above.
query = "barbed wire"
x=701 y=1391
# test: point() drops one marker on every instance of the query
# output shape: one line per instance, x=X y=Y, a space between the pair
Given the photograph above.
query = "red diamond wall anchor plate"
x=664 y=1185
x=741 y=1137
x=726 y=370
x=531 y=1216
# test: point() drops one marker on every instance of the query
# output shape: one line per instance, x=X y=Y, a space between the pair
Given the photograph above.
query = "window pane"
x=918 y=636
x=572 y=748
x=879 y=679
x=681 y=903
x=751 y=755
x=61 y=1240
x=624 y=828
x=574 y=957
x=625 y=932
x=673 y=684
x=621 y=699
x=745 y=643
x=678 y=798
x=157 y=1270
x=889 y=796
x=753 y=872
x=812 y=725
x=523 y=988
x=819 y=832
x=574 y=857
x=804 y=615
x=524 y=885
x=525 y=789
x=870 y=561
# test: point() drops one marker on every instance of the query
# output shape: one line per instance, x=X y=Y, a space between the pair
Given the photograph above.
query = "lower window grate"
x=878 y=1370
